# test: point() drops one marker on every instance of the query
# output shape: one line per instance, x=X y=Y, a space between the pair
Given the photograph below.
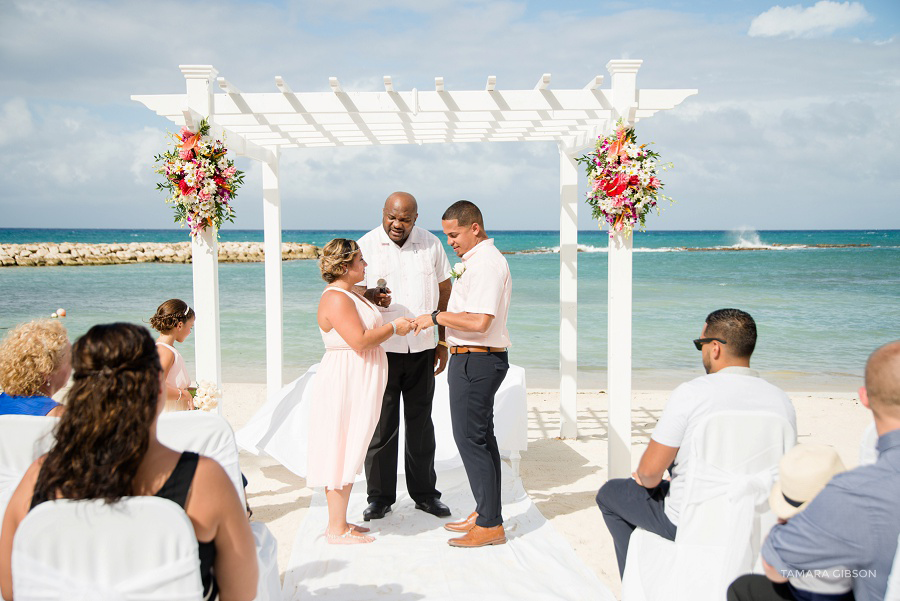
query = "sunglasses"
x=699 y=342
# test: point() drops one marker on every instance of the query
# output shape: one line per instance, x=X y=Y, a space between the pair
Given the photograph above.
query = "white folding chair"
x=204 y=433
x=139 y=548
x=23 y=438
x=211 y=435
x=725 y=514
x=893 y=585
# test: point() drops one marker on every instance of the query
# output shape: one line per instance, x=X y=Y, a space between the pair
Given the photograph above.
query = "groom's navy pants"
x=473 y=379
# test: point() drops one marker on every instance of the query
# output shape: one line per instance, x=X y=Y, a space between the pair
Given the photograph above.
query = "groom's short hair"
x=464 y=212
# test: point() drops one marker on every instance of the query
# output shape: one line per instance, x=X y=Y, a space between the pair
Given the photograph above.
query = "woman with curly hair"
x=349 y=385
x=174 y=320
x=106 y=448
x=35 y=364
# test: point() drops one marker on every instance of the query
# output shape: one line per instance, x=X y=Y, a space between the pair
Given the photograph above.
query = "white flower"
x=458 y=270
x=207 y=396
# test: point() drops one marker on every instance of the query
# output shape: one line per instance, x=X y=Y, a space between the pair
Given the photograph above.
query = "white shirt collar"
x=411 y=241
x=468 y=255
x=739 y=370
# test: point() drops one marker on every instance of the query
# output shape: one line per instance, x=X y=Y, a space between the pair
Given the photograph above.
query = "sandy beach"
x=561 y=476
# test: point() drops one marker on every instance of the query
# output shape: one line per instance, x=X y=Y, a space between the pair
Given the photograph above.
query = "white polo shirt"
x=412 y=273
x=730 y=389
x=485 y=287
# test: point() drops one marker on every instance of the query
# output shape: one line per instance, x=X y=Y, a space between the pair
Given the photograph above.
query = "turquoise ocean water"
x=820 y=309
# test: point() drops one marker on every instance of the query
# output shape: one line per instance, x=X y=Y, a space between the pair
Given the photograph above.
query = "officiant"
x=408 y=274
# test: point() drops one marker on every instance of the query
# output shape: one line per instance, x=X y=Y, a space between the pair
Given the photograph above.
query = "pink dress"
x=346 y=403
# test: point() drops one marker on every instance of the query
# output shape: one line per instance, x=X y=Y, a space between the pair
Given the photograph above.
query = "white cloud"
x=821 y=19
x=15 y=121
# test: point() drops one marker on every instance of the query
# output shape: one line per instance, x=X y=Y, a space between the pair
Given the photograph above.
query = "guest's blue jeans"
x=627 y=505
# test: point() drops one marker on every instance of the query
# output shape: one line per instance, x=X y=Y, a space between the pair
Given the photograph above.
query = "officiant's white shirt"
x=412 y=273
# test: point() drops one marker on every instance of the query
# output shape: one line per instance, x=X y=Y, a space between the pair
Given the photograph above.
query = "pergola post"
x=618 y=357
x=274 y=290
x=204 y=249
x=568 y=295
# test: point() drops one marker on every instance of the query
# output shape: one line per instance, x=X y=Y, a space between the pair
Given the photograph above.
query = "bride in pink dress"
x=349 y=385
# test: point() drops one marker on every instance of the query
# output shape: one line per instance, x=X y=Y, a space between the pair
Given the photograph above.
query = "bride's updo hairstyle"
x=336 y=256
x=104 y=434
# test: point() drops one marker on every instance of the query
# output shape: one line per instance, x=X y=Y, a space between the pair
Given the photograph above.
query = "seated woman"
x=106 y=448
x=35 y=364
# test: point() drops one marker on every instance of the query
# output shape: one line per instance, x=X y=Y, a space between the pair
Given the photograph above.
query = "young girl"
x=174 y=320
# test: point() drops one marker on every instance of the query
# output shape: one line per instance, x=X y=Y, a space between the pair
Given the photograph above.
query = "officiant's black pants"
x=411 y=374
x=474 y=379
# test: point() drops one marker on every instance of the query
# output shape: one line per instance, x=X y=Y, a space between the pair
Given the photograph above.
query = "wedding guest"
x=475 y=320
x=412 y=266
x=35 y=364
x=802 y=474
x=650 y=501
x=106 y=448
x=174 y=320
x=349 y=385
x=851 y=527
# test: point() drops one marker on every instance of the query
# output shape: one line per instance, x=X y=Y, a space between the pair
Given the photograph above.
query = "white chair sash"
x=720 y=524
x=37 y=581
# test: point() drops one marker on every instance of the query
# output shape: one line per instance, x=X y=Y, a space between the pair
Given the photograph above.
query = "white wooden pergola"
x=260 y=124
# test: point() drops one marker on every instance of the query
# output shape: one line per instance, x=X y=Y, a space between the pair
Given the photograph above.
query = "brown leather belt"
x=461 y=350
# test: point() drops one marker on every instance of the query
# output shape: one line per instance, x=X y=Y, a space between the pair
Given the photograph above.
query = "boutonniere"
x=458 y=270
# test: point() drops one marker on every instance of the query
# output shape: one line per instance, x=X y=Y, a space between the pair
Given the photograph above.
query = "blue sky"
x=796 y=124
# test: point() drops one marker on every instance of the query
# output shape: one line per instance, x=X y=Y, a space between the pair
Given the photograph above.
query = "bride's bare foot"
x=359 y=528
x=350 y=537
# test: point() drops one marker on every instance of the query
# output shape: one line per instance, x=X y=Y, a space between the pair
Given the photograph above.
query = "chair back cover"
x=139 y=548
x=23 y=438
x=205 y=433
x=725 y=513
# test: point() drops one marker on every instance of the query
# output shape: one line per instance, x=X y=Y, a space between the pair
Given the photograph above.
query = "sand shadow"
x=354 y=592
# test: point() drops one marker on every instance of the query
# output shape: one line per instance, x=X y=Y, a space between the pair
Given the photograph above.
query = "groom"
x=475 y=323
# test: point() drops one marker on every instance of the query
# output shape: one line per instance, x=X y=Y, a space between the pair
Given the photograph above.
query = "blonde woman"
x=174 y=320
x=35 y=364
x=349 y=385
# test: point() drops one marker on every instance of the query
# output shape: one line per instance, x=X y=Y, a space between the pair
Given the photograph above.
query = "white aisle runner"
x=411 y=559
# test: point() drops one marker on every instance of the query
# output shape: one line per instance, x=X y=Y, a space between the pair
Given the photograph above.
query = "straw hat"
x=802 y=473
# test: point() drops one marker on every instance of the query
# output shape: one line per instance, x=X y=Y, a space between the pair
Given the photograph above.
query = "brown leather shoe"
x=463 y=526
x=480 y=537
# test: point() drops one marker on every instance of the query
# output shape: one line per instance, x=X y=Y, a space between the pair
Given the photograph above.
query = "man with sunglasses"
x=648 y=501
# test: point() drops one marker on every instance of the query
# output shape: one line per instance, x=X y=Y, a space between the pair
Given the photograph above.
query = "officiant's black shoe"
x=434 y=507
x=375 y=511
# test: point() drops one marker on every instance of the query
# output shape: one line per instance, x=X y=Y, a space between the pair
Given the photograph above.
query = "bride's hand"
x=403 y=325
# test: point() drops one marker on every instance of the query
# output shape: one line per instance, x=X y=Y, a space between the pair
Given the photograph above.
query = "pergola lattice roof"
x=286 y=119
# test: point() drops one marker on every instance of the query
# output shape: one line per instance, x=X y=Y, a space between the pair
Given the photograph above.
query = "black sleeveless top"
x=176 y=489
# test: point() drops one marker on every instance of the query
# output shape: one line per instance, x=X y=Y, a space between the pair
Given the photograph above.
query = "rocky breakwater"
x=49 y=254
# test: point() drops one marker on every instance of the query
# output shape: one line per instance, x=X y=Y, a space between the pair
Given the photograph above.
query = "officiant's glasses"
x=699 y=342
